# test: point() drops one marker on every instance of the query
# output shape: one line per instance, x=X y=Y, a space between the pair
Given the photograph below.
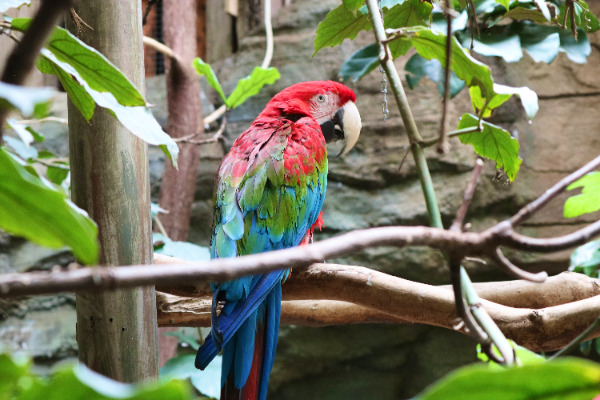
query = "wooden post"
x=116 y=331
x=185 y=118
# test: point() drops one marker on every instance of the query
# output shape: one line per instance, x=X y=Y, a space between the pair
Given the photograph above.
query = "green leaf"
x=12 y=369
x=563 y=379
x=584 y=18
x=360 y=63
x=23 y=150
x=586 y=259
x=544 y=49
x=494 y=143
x=76 y=92
x=432 y=45
x=340 y=24
x=524 y=356
x=408 y=13
x=588 y=200
x=207 y=382
x=507 y=47
x=206 y=70
x=23 y=98
x=184 y=250
x=21 y=131
x=31 y=208
x=353 y=5
x=523 y=13
x=577 y=50
x=95 y=69
x=57 y=173
x=138 y=120
x=6 y=4
x=417 y=67
x=251 y=85
x=541 y=5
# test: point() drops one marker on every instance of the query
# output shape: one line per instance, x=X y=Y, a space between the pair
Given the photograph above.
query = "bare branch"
x=551 y=193
x=467 y=197
x=395 y=300
x=443 y=144
x=517 y=272
x=158 y=46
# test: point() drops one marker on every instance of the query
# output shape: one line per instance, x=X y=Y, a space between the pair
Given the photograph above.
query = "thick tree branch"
x=326 y=294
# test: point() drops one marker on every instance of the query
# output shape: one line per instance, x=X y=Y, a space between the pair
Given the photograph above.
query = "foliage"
x=31 y=207
x=90 y=78
x=183 y=250
x=566 y=378
x=77 y=382
x=588 y=200
x=586 y=259
x=245 y=88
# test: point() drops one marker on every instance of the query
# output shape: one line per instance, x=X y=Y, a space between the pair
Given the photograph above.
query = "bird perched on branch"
x=269 y=192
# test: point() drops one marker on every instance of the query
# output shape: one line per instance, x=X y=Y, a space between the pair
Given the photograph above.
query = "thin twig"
x=467 y=197
x=458 y=132
x=517 y=272
x=443 y=144
x=580 y=338
x=551 y=193
x=147 y=11
x=42 y=120
x=215 y=138
x=158 y=46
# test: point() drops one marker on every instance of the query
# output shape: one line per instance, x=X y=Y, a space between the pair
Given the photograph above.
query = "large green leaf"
x=417 y=67
x=494 y=143
x=563 y=379
x=360 y=63
x=251 y=85
x=32 y=208
x=24 y=99
x=408 y=13
x=353 y=5
x=432 y=45
x=76 y=92
x=588 y=200
x=577 y=50
x=6 y=4
x=507 y=47
x=138 y=120
x=103 y=82
x=97 y=71
x=502 y=93
x=338 y=25
x=206 y=70
x=586 y=259
x=207 y=382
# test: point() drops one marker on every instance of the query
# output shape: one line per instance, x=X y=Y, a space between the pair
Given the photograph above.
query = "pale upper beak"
x=345 y=125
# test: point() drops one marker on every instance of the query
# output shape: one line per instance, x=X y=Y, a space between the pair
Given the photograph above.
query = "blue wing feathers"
x=255 y=213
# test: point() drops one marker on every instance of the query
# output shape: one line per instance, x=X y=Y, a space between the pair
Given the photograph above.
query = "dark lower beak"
x=333 y=129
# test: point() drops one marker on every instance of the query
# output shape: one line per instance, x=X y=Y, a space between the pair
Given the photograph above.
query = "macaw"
x=269 y=192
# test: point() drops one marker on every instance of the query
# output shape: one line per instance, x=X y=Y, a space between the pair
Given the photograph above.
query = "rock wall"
x=369 y=187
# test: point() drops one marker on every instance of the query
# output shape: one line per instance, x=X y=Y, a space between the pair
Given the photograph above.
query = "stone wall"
x=369 y=187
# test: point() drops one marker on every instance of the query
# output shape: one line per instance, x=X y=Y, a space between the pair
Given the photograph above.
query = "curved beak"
x=345 y=125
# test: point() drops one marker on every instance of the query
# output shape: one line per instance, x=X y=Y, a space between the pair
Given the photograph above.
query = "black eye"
x=321 y=98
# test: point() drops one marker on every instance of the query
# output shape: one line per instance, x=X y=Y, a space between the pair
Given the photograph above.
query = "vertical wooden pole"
x=185 y=118
x=116 y=331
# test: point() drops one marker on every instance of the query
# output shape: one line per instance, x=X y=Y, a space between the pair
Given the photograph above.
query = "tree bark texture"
x=116 y=330
x=185 y=118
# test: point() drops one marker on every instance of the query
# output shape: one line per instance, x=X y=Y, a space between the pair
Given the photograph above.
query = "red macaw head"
x=330 y=103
